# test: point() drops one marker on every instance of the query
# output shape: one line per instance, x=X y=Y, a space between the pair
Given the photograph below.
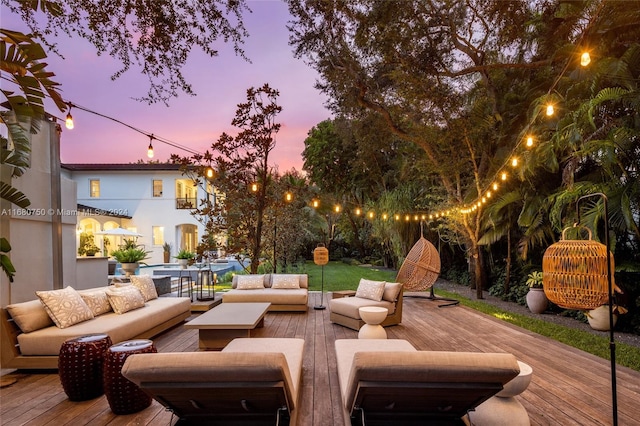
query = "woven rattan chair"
x=421 y=269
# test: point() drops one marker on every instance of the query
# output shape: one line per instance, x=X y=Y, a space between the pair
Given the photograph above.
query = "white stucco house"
x=150 y=199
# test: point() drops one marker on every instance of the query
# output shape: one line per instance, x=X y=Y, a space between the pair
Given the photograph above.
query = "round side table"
x=124 y=397
x=372 y=316
x=503 y=409
x=80 y=366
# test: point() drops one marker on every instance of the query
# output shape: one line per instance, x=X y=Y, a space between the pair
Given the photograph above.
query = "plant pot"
x=537 y=301
x=183 y=263
x=599 y=318
x=166 y=256
x=129 y=268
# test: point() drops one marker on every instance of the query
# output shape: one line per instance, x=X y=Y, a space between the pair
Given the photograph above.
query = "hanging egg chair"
x=575 y=273
x=421 y=267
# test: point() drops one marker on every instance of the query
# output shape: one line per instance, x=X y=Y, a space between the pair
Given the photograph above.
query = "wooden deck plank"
x=569 y=387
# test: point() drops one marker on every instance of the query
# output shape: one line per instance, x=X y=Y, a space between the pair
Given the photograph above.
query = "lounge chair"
x=389 y=382
x=251 y=382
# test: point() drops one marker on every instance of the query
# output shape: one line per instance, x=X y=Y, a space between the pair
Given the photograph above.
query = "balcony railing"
x=186 y=203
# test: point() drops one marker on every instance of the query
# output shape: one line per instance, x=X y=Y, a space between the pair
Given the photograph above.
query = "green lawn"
x=341 y=276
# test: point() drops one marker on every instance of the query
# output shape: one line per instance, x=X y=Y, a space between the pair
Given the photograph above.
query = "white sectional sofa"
x=31 y=340
x=285 y=292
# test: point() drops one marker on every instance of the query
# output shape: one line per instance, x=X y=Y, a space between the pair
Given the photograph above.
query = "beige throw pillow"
x=65 y=307
x=368 y=289
x=285 y=281
x=250 y=282
x=391 y=291
x=30 y=316
x=97 y=301
x=145 y=284
x=125 y=299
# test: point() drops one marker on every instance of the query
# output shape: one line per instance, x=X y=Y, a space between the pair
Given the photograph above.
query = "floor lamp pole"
x=612 y=343
x=321 y=305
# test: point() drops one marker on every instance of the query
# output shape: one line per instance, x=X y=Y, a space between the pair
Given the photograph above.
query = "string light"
x=503 y=176
x=288 y=196
x=550 y=110
x=315 y=203
x=357 y=212
x=150 y=149
x=529 y=142
x=514 y=162
x=69 y=120
x=585 y=59
x=254 y=187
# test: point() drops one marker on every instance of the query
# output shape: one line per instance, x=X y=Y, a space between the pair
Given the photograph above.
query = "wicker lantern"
x=421 y=267
x=575 y=273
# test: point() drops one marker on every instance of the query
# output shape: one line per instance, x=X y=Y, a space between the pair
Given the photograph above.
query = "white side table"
x=372 y=316
x=503 y=409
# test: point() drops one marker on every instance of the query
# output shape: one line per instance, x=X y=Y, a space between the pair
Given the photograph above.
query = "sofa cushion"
x=285 y=281
x=372 y=290
x=30 y=316
x=97 y=301
x=273 y=296
x=391 y=291
x=350 y=306
x=250 y=282
x=145 y=284
x=125 y=299
x=65 y=307
x=47 y=341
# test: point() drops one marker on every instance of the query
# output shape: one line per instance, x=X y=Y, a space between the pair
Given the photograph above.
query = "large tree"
x=243 y=176
x=450 y=76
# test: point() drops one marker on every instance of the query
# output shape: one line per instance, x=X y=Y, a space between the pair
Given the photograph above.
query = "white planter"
x=537 y=301
x=129 y=268
x=599 y=318
x=183 y=263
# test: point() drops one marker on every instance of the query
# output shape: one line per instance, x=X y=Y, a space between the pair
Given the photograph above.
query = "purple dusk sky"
x=220 y=83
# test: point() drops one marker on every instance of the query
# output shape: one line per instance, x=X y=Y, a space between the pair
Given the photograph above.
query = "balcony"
x=186 y=203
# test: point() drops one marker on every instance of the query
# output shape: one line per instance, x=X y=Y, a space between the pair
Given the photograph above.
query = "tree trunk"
x=507 y=277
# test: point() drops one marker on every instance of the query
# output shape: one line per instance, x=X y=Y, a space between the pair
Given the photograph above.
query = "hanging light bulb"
x=210 y=173
x=385 y=216
x=337 y=209
x=254 y=187
x=371 y=215
x=550 y=110
x=288 y=196
x=529 y=142
x=357 y=211
x=488 y=194
x=514 y=162
x=315 y=204
x=495 y=186
x=585 y=59
x=69 y=121
x=150 y=149
x=503 y=176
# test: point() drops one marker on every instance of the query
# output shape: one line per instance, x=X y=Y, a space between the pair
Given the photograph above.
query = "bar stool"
x=80 y=366
x=125 y=397
x=184 y=279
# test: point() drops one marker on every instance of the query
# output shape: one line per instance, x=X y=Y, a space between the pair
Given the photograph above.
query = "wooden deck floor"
x=569 y=387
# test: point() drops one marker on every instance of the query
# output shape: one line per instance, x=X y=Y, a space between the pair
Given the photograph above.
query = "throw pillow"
x=391 y=291
x=285 y=281
x=65 y=307
x=97 y=301
x=368 y=289
x=125 y=299
x=145 y=284
x=30 y=316
x=250 y=282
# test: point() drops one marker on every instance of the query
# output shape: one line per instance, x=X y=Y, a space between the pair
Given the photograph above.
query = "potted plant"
x=184 y=256
x=537 y=301
x=130 y=258
x=87 y=246
x=166 y=251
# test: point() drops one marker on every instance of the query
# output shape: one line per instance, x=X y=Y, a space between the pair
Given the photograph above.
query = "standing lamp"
x=321 y=257
x=578 y=274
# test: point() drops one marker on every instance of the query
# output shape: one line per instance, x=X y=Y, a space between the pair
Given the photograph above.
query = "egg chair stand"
x=420 y=270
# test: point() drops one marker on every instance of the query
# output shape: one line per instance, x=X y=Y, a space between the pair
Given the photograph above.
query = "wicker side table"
x=80 y=366
x=124 y=397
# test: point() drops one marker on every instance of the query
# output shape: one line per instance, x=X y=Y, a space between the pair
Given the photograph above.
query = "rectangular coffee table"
x=227 y=321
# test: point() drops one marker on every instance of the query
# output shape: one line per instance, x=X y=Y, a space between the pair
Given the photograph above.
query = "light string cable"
x=152 y=136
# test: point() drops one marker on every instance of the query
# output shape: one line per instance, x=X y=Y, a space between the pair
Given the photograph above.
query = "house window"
x=186 y=194
x=157 y=188
x=94 y=188
x=158 y=235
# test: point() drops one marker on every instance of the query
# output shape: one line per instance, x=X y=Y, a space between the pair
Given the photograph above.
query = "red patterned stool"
x=124 y=397
x=80 y=366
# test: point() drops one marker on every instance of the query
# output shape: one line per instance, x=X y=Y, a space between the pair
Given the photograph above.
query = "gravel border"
x=628 y=338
